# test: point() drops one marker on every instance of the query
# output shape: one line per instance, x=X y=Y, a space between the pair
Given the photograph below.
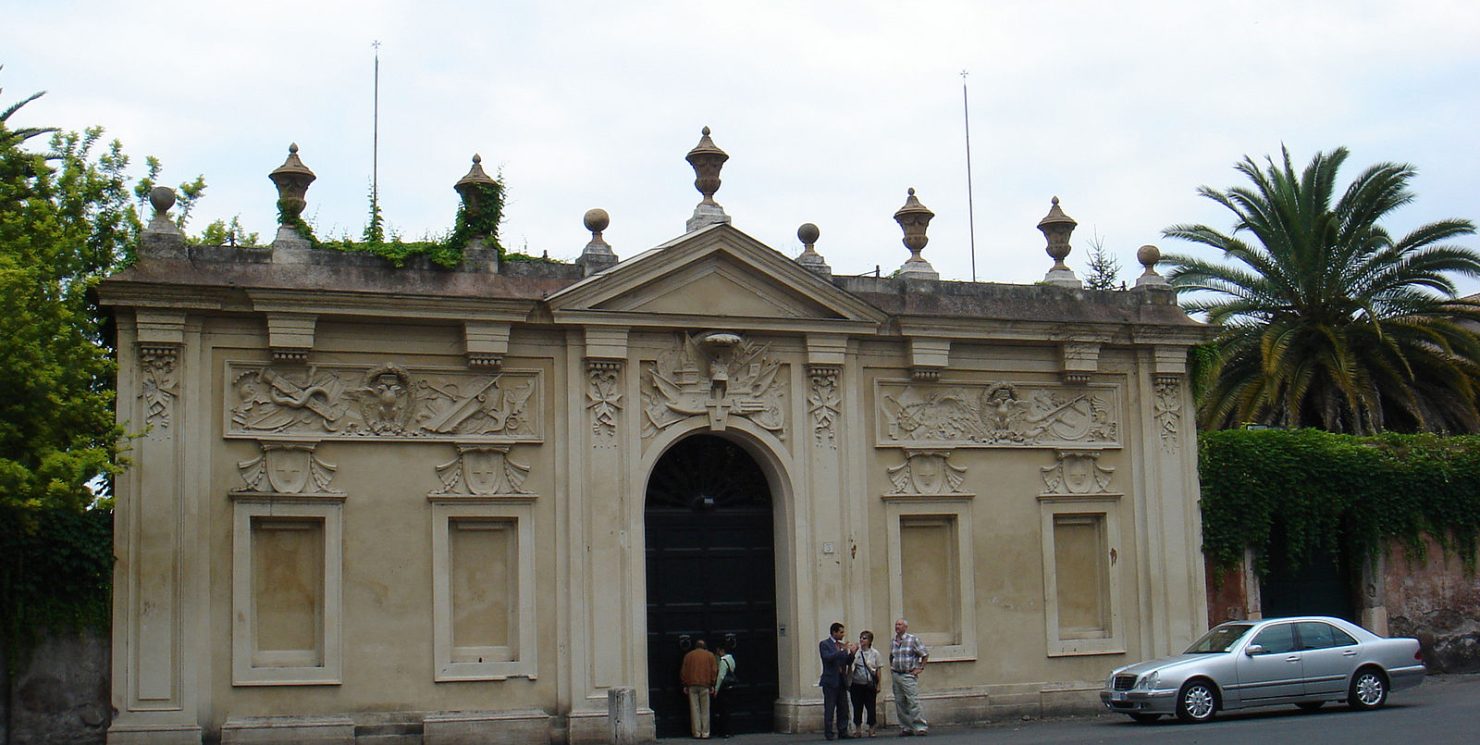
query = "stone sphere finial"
x=598 y=255
x=161 y=198
x=596 y=220
x=1149 y=255
x=808 y=235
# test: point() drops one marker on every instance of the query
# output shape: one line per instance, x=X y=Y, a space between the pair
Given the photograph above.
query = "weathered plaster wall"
x=1439 y=603
x=61 y=698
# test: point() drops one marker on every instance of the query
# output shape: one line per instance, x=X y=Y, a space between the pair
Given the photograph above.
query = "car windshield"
x=1219 y=639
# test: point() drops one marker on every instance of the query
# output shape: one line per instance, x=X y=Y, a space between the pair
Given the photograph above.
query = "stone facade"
x=366 y=494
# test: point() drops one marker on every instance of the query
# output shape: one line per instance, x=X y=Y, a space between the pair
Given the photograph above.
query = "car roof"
x=1340 y=623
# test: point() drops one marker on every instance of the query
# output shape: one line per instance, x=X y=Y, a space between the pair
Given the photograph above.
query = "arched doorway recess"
x=710 y=552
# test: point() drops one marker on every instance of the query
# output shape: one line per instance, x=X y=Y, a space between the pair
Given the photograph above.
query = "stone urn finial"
x=598 y=254
x=707 y=160
x=1057 y=227
x=913 y=219
x=808 y=234
x=467 y=189
x=292 y=179
x=162 y=198
x=1149 y=255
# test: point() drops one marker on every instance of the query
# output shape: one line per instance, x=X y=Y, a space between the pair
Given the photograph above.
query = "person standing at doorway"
x=724 y=689
x=907 y=657
x=837 y=657
x=698 y=674
x=863 y=684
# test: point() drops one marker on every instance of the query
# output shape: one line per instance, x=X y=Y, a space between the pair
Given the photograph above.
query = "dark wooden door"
x=1321 y=586
x=711 y=576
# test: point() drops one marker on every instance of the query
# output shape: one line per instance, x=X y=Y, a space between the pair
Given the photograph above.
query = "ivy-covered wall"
x=1332 y=493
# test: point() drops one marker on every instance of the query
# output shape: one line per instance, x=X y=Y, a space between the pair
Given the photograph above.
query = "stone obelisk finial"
x=707 y=159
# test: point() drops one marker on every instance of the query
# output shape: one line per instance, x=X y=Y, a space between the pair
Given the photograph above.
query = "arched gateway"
x=710 y=575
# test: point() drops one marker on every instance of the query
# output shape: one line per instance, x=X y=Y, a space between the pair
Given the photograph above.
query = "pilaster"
x=153 y=690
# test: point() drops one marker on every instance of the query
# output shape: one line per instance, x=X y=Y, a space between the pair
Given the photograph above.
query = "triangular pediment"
x=717 y=273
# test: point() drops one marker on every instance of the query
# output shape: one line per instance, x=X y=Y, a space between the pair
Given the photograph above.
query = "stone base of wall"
x=338 y=730
x=965 y=706
x=147 y=734
x=486 y=728
x=595 y=728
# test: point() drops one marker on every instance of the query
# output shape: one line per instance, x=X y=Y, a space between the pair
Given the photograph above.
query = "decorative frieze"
x=481 y=471
x=159 y=384
x=718 y=375
x=1076 y=472
x=1168 y=407
x=927 y=473
x=288 y=468
x=917 y=414
x=603 y=399
x=385 y=402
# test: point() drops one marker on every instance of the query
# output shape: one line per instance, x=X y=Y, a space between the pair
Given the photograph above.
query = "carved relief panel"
x=927 y=473
x=913 y=414
x=482 y=471
x=716 y=375
x=1076 y=472
x=288 y=468
x=386 y=401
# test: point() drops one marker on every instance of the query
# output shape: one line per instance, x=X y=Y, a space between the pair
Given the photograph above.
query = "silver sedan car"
x=1302 y=661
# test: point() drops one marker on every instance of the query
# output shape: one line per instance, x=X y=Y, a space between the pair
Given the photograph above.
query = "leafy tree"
x=1103 y=268
x=1328 y=320
x=223 y=233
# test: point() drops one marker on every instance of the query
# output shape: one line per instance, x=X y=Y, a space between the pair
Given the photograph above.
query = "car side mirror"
x=1254 y=649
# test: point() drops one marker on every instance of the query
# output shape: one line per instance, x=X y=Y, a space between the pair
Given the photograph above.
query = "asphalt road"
x=1445 y=710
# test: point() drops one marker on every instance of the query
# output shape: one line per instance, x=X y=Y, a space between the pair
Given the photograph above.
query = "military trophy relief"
x=604 y=400
x=288 y=469
x=716 y=375
x=823 y=405
x=159 y=386
x=927 y=473
x=1167 y=406
x=482 y=472
x=382 y=402
x=1077 y=473
x=997 y=415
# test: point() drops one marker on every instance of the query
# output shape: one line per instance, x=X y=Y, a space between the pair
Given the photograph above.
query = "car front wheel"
x=1369 y=690
x=1197 y=702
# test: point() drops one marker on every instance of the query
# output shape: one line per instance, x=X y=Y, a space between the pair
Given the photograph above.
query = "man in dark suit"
x=837 y=656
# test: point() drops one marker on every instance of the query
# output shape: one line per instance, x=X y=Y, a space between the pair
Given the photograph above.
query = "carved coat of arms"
x=719 y=375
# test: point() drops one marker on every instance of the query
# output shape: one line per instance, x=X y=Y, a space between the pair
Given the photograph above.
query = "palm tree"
x=1328 y=321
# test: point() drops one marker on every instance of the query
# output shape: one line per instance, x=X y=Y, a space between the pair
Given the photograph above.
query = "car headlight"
x=1149 y=681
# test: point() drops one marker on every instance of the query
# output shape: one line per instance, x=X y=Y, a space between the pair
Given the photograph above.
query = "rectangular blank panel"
x=485 y=587
x=287 y=591
x=930 y=576
x=1082 y=574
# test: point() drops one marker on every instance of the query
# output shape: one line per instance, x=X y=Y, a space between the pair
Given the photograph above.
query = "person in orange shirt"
x=698 y=674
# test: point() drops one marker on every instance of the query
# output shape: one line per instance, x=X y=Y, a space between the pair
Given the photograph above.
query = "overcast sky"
x=828 y=110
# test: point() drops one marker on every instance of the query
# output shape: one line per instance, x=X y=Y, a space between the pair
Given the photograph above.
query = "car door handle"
x=1349 y=653
x=1293 y=658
